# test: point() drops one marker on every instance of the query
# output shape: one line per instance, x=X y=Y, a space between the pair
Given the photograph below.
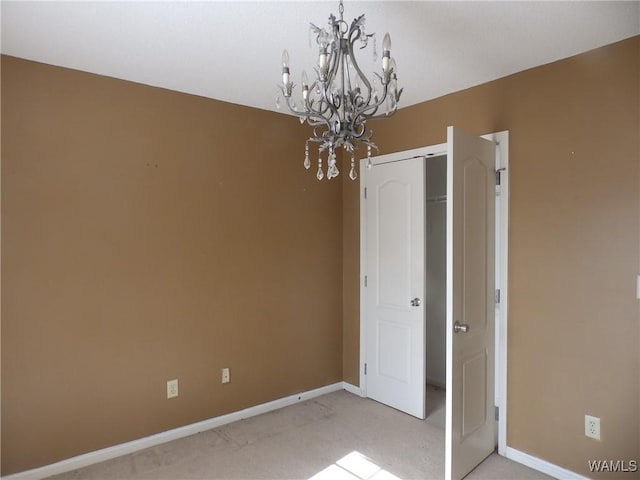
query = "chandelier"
x=340 y=99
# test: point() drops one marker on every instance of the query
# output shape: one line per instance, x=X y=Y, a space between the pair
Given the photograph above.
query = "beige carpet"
x=333 y=437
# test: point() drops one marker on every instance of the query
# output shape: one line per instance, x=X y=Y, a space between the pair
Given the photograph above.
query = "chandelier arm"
x=388 y=113
x=357 y=135
x=355 y=28
x=320 y=137
x=364 y=136
x=320 y=116
x=317 y=122
x=313 y=116
x=325 y=110
x=370 y=113
x=335 y=112
x=315 y=138
x=292 y=109
x=384 y=81
x=334 y=60
x=329 y=106
x=385 y=114
x=317 y=116
x=320 y=111
x=373 y=108
x=367 y=111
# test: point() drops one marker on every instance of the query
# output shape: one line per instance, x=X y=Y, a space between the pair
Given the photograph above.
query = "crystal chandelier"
x=339 y=101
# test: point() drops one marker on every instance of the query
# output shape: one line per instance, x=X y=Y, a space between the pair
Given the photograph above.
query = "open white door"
x=395 y=269
x=470 y=423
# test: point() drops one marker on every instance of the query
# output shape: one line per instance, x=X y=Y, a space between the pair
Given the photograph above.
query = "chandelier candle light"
x=339 y=101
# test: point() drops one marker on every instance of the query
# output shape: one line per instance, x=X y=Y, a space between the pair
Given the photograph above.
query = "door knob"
x=460 y=327
x=416 y=302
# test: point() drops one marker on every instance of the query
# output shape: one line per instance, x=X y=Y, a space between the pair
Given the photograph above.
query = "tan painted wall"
x=149 y=235
x=573 y=246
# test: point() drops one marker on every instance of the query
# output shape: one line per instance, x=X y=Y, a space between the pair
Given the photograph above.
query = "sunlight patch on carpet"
x=354 y=466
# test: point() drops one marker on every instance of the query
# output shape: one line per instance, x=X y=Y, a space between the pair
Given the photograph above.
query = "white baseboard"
x=353 y=389
x=542 y=465
x=151 y=441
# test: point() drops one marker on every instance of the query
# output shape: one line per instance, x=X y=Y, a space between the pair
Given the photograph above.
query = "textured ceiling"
x=231 y=51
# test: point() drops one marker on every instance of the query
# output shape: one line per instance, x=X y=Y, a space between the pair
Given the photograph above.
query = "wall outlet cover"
x=172 y=388
x=592 y=427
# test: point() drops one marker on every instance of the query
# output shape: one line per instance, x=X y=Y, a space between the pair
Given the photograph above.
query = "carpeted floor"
x=333 y=437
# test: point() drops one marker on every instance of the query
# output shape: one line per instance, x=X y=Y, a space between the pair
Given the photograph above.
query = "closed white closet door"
x=394 y=293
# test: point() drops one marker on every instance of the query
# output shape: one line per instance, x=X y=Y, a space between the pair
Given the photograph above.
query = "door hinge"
x=497 y=296
x=365 y=193
x=365 y=281
x=497 y=413
x=498 y=175
x=365 y=368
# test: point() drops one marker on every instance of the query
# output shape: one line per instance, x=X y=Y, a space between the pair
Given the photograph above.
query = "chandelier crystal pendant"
x=339 y=101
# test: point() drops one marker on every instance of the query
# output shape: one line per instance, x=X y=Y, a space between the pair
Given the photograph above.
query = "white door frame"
x=501 y=263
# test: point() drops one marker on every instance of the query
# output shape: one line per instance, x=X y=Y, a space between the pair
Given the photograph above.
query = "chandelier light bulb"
x=392 y=66
x=386 y=52
x=285 y=68
x=322 y=61
x=386 y=43
x=305 y=85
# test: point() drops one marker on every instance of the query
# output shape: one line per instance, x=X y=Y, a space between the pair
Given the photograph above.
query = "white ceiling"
x=231 y=51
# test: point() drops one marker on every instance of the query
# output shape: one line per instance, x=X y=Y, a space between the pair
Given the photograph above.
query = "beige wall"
x=149 y=235
x=573 y=246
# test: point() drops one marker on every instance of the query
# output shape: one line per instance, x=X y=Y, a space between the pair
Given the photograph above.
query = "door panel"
x=470 y=424
x=474 y=380
x=395 y=330
x=393 y=253
x=394 y=343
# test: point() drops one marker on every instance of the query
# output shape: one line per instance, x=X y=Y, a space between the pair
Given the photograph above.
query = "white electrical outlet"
x=172 y=388
x=226 y=378
x=592 y=427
